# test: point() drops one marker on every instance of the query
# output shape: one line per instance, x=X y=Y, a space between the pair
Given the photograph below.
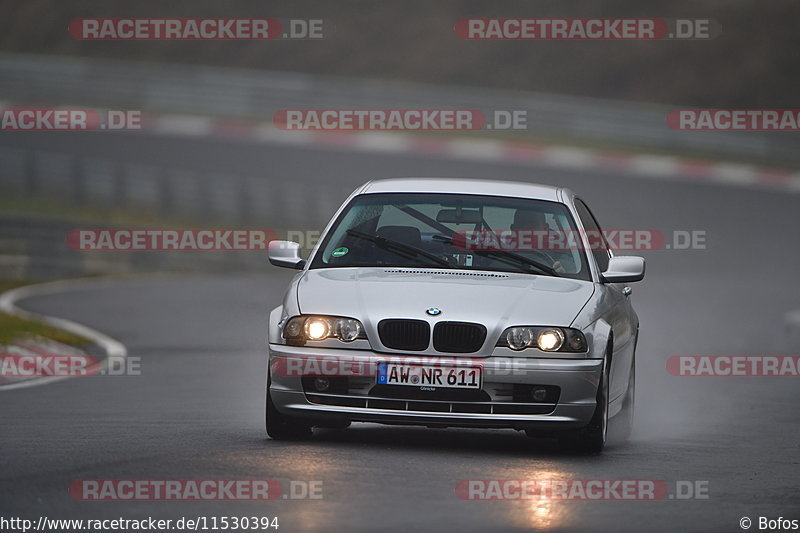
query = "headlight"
x=576 y=342
x=317 y=328
x=547 y=339
x=346 y=329
x=550 y=339
x=304 y=328
x=293 y=328
x=519 y=338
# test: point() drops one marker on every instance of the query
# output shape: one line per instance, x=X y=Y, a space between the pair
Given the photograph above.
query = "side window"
x=596 y=238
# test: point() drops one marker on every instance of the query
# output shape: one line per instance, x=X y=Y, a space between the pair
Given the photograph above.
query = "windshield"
x=455 y=231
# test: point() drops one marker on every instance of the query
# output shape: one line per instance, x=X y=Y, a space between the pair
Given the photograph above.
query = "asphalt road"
x=197 y=409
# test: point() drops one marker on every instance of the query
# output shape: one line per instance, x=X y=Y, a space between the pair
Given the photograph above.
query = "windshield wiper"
x=391 y=244
x=499 y=254
x=505 y=255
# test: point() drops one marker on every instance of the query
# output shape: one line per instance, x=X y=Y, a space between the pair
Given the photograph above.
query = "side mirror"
x=624 y=269
x=285 y=254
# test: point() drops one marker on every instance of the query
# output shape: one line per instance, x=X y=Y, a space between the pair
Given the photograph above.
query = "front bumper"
x=576 y=381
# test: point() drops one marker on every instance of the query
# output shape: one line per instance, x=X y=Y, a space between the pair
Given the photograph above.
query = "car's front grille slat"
x=448 y=337
x=458 y=337
x=404 y=334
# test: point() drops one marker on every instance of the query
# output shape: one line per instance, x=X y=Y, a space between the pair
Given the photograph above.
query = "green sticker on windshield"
x=339 y=252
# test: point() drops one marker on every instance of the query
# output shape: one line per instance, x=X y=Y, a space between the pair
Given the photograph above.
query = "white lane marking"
x=475 y=149
x=382 y=142
x=734 y=174
x=655 y=165
x=266 y=132
x=645 y=165
x=564 y=156
x=183 y=125
x=113 y=348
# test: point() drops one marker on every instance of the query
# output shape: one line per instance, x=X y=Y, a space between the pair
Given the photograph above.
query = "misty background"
x=752 y=63
x=581 y=97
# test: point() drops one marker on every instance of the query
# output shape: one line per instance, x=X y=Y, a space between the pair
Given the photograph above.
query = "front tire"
x=282 y=427
x=625 y=426
x=592 y=438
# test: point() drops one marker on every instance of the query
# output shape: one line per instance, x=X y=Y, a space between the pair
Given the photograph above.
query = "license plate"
x=450 y=377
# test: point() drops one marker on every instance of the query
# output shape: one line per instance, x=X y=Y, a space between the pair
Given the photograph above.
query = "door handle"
x=627 y=291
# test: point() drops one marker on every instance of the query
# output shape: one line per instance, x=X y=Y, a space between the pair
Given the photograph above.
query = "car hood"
x=495 y=299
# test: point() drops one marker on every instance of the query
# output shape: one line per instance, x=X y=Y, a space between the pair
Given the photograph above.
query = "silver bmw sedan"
x=456 y=303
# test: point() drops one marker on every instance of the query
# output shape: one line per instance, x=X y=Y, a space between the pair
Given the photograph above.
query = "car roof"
x=486 y=187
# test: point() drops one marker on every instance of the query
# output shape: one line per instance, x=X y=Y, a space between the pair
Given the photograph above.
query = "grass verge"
x=14 y=328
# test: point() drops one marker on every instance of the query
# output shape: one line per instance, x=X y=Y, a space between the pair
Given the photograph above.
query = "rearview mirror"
x=624 y=269
x=285 y=254
x=459 y=216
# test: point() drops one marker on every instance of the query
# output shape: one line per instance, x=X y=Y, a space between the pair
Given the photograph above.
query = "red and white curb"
x=36 y=348
x=113 y=349
x=486 y=150
x=483 y=150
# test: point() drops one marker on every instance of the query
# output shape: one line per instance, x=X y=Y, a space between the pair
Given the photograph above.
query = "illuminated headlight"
x=317 y=328
x=547 y=339
x=550 y=340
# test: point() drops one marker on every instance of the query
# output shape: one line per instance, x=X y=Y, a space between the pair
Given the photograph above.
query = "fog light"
x=322 y=384
x=539 y=395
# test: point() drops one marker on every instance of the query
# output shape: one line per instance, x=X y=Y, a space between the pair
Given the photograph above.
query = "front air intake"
x=404 y=334
x=458 y=337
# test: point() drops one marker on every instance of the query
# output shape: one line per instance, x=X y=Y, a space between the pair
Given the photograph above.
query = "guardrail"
x=34 y=247
x=176 y=187
x=256 y=95
x=170 y=188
